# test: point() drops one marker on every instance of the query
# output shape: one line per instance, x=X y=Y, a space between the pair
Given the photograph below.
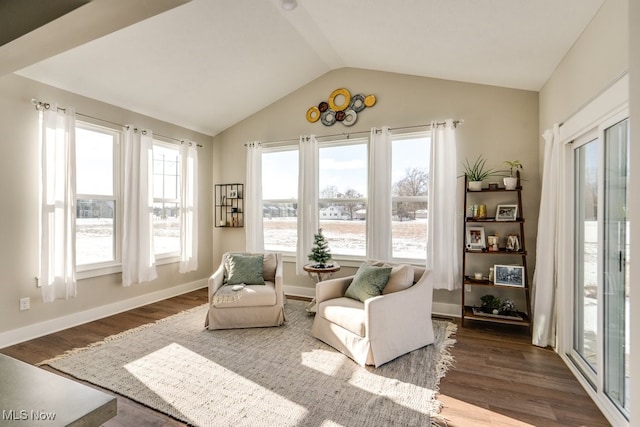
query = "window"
x=280 y=199
x=98 y=196
x=342 y=196
x=409 y=191
x=166 y=199
x=342 y=203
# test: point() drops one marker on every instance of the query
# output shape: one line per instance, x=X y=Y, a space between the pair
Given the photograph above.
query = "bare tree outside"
x=414 y=183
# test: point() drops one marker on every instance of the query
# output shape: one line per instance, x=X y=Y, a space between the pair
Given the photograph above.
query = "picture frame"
x=475 y=239
x=233 y=194
x=506 y=212
x=509 y=275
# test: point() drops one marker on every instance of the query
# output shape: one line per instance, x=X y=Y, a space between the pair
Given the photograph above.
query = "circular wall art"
x=341 y=107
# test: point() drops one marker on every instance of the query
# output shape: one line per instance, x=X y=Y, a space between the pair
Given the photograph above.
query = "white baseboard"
x=300 y=291
x=37 y=330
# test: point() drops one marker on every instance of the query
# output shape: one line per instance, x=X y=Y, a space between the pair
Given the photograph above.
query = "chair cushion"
x=345 y=312
x=269 y=267
x=368 y=282
x=245 y=269
x=249 y=296
x=401 y=278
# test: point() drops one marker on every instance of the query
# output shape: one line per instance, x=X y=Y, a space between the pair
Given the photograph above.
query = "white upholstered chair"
x=381 y=328
x=246 y=305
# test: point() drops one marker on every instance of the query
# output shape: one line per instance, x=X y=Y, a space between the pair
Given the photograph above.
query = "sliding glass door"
x=600 y=260
x=616 y=260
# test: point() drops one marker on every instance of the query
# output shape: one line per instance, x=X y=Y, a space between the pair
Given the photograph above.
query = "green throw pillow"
x=368 y=282
x=245 y=269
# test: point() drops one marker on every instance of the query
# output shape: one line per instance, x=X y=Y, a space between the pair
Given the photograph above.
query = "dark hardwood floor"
x=498 y=377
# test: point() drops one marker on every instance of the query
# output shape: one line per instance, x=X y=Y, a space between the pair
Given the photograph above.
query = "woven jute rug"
x=261 y=377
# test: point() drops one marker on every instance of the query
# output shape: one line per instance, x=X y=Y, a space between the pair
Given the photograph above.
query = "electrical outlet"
x=467 y=288
x=25 y=303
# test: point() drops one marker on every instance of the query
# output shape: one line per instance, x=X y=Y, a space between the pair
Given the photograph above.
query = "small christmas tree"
x=320 y=252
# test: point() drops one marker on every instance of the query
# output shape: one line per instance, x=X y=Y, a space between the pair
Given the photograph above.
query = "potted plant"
x=476 y=173
x=320 y=253
x=511 y=181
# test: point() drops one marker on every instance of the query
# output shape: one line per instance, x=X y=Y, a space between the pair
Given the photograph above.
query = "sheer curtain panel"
x=254 y=232
x=138 y=259
x=443 y=244
x=308 y=216
x=58 y=204
x=545 y=274
x=379 y=195
x=189 y=206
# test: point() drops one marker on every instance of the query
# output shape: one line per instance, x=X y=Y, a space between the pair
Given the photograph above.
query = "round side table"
x=319 y=274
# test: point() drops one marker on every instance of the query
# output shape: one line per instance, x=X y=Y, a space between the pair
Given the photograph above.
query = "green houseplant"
x=477 y=172
x=511 y=181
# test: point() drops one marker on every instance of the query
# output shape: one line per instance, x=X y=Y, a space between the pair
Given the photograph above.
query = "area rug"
x=261 y=377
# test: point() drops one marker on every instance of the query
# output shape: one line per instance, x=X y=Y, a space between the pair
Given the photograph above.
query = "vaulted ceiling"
x=207 y=64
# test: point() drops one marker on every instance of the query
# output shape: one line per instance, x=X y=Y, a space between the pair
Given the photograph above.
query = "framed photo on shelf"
x=508 y=275
x=506 y=212
x=233 y=194
x=475 y=239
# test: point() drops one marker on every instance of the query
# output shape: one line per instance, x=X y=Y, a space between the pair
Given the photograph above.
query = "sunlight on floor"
x=208 y=388
x=459 y=413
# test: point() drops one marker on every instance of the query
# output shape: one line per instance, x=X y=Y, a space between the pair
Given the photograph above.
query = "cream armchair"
x=246 y=305
x=381 y=328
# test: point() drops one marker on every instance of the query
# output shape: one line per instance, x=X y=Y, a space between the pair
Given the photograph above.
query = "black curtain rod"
x=349 y=134
x=45 y=105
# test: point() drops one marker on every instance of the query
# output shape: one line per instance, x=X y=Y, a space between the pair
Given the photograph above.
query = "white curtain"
x=254 y=233
x=308 y=221
x=189 y=207
x=443 y=245
x=379 y=195
x=138 y=260
x=58 y=204
x=545 y=275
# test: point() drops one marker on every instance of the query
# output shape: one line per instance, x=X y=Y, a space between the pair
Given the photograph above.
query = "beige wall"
x=597 y=59
x=19 y=169
x=499 y=123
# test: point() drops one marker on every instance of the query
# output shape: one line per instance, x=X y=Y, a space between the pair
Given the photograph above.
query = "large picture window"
x=280 y=199
x=98 y=196
x=342 y=196
x=342 y=202
x=409 y=191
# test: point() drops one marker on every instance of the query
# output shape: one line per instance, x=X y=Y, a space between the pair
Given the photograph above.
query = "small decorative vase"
x=475 y=185
x=510 y=183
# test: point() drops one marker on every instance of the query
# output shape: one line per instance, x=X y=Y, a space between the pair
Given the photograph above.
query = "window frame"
x=169 y=257
x=114 y=266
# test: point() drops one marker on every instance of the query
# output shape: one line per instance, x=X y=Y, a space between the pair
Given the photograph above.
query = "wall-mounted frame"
x=506 y=212
x=509 y=275
x=475 y=239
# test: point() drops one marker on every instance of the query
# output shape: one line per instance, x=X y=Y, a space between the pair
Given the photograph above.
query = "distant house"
x=334 y=212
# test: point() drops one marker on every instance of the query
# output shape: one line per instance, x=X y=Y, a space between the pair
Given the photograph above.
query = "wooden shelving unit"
x=519 y=256
x=229 y=205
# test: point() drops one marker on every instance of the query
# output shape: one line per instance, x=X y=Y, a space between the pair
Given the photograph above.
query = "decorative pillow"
x=401 y=278
x=368 y=282
x=269 y=267
x=245 y=269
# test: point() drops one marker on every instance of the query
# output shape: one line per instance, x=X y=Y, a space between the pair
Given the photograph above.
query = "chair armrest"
x=279 y=280
x=400 y=320
x=216 y=281
x=332 y=288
